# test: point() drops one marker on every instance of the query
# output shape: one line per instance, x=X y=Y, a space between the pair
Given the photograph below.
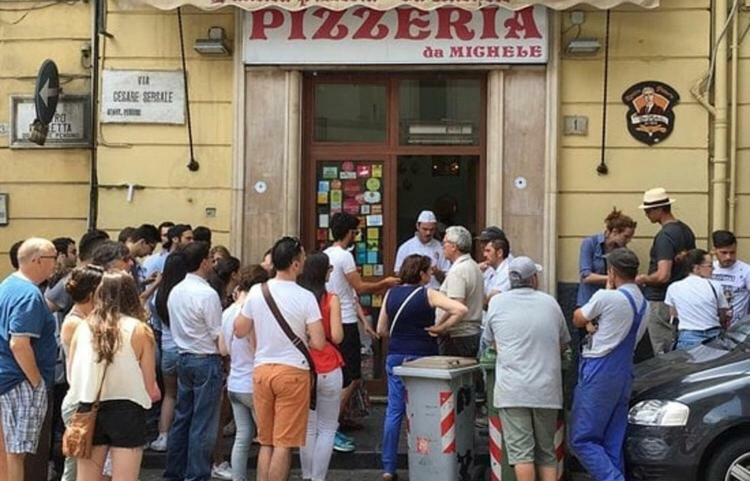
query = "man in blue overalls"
x=614 y=318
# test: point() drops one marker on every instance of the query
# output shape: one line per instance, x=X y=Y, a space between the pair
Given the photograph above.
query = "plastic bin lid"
x=437 y=367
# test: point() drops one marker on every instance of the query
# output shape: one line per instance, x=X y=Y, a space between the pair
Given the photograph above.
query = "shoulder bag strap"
x=101 y=385
x=295 y=340
x=716 y=297
x=401 y=308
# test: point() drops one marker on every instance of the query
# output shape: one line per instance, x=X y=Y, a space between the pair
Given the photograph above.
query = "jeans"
x=395 y=411
x=242 y=408
x=195 y=427
x=687 y=338
x=315 y=455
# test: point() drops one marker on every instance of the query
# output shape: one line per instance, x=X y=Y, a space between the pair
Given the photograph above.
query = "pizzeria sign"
x=406 y=35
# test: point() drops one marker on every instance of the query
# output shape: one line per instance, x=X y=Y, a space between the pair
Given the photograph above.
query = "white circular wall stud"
x=260 y=187
x=520 y=182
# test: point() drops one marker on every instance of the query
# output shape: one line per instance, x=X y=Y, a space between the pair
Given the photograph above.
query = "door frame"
x=388 y=151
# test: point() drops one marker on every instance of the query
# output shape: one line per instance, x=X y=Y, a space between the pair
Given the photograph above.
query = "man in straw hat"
x=673 y=239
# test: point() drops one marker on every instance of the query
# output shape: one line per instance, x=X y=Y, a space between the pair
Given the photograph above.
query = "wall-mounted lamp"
x=215 y=44
x=583 y=46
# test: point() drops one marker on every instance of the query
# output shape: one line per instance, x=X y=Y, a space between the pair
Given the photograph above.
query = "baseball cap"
x=426 y=216
x=524 y=267
x=491 y=233
x=623 y=259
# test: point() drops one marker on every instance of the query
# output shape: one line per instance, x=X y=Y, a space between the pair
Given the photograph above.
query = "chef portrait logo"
x=650 y=117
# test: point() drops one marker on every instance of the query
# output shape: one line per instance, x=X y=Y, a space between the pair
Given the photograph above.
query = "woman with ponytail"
x=618 y=231
x=108 y=352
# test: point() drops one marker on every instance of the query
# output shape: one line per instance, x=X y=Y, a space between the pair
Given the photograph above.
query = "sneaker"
x=159 y=444
x=346 y=438
x=222 y=471
x=341 y=445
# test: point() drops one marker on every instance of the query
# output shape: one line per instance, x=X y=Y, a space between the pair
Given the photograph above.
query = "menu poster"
x=355 y=187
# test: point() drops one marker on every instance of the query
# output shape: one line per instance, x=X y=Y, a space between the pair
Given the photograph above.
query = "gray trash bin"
x=440 y=417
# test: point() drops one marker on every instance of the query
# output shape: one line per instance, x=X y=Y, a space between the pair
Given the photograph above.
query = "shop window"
x=350 y=112
x=355 y=187
x=440 y=111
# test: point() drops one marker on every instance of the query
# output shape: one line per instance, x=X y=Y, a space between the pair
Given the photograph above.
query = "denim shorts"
x=169 y=359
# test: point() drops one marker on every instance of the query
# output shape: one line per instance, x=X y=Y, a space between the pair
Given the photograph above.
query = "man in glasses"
x=28 y=351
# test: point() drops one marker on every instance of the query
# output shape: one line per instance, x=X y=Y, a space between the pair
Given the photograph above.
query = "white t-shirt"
x=735 y=280
x=497 y=279
x=695 y=302
x=433 y=250
x=241 y=355
x=297 y=305
x=615 y=319
x=343 y=264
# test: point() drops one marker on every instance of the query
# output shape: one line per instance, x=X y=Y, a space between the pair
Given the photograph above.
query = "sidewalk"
x=366 y=457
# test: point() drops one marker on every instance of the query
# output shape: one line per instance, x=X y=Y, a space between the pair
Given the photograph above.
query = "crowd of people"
x=192 y=337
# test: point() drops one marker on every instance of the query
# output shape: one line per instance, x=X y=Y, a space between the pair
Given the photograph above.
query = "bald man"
x=27 y=353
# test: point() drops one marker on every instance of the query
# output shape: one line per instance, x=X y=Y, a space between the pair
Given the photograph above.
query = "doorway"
x=384 y=147
x=444 y=184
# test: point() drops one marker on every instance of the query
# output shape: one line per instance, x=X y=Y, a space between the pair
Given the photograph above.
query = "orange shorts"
x=281 y=397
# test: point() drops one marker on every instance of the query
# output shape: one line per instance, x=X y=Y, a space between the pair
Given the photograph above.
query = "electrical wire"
x=193 y=165
x=602 y=168
x=39 y=7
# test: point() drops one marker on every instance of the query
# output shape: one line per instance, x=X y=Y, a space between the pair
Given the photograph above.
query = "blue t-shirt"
x=23 y=312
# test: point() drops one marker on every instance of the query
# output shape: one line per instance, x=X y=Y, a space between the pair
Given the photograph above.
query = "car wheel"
x=731 y=462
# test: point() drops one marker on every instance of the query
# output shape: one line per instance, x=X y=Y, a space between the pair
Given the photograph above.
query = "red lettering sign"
x=361 y=35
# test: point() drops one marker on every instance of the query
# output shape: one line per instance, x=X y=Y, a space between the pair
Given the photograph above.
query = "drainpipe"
x=96 y=6
x=719 y=191
x=733 y=124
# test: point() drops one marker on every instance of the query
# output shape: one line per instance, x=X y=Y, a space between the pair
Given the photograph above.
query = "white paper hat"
x=426 y=216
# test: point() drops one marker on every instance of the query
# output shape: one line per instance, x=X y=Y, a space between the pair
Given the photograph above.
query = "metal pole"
x=96 y=7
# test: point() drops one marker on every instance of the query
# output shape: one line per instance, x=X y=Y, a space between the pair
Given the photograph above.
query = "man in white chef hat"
x=424 y=243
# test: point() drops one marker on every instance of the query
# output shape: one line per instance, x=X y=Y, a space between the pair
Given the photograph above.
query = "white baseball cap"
x=426 y=216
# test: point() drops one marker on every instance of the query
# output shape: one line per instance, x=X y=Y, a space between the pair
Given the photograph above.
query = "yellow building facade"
x=49 y=189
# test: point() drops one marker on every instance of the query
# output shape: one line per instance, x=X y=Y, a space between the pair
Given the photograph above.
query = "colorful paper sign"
x=373 y=184
x=330 y=172
x=363 y=170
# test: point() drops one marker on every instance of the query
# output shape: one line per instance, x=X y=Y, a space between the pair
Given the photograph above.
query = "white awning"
x=383 y=4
